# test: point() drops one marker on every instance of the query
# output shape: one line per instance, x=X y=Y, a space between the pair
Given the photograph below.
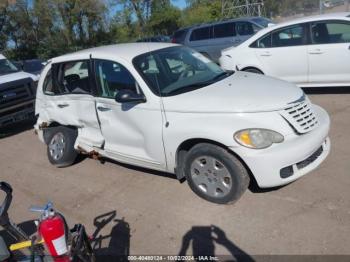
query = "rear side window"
x=244 y=28
x=224 y=30
x=70 y=78
x=330 y=32
x=180 y=35
x=290 y=36
x=201 y=33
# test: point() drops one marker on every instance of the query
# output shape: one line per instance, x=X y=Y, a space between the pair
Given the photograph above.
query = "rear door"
x=283 y=53
x=70 y=100
x=329 y=53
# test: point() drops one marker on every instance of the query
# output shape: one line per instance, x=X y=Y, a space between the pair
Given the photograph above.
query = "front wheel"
x=60 y=148
x=215 y=175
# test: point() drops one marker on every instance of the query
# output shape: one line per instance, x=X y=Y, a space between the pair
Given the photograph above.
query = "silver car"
x=210 y=39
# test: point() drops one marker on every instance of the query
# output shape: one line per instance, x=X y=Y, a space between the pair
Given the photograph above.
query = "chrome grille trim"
x=300 y=116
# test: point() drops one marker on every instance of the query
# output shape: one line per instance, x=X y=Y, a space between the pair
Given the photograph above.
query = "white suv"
x=167 y=107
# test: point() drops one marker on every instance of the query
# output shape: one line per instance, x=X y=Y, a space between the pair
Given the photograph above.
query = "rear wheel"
x=60 y=148
x=215 y=175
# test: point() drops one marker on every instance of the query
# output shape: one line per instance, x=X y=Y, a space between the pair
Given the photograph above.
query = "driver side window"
x=111 y=77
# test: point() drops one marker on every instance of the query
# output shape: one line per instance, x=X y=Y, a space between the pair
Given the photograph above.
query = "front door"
x=329 y=53
x=283 y=54
x=132 y=131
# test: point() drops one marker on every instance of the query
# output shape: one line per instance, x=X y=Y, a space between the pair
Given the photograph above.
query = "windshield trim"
x=156 y=90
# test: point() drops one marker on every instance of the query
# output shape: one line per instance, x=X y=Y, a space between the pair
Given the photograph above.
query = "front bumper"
x=301 y=153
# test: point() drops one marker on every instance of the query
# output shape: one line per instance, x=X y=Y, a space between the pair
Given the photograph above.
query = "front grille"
x=310 y=159
x=13 y=95
x=289 y=170
x=300 y=116
x=18 y=108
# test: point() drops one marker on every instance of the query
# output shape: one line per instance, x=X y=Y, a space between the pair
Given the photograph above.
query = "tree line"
x=48 y=28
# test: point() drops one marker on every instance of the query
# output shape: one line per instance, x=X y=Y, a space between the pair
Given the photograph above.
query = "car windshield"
x=6 y=67
x=264 y=22
x=176 y=70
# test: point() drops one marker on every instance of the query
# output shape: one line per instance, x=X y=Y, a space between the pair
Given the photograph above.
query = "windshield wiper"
x=190 y=87
x=219 y=76
x=199 y=84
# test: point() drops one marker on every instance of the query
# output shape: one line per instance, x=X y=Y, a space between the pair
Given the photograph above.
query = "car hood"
x=241 y=92
x=17 y=76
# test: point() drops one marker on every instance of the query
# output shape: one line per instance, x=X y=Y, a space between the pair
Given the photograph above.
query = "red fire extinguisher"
x=52 y=229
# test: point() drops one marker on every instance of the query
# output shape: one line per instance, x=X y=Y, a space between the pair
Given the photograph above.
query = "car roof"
x=126 y=51
x=341 y=15
x=221 y=22
x=331 y=16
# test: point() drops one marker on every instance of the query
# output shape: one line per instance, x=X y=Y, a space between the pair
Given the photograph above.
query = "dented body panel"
x=77 y=110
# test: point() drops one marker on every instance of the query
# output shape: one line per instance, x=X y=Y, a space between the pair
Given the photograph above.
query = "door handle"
x=266 y=54
x=62 y=105
x=103 y=109
x=316 y=52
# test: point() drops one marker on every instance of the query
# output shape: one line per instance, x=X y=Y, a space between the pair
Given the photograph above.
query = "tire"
x=253 y=70
x=215 y=175
x=60 y=146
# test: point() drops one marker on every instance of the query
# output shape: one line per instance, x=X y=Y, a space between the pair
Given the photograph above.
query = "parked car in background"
x=32 y=66
x=333 y=3
x=159 y=38
x=17 y=93
x=310 y=51
x=210 y=39
x=167 y=107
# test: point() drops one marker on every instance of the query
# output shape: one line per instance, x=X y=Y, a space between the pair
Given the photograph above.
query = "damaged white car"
x=167 y=107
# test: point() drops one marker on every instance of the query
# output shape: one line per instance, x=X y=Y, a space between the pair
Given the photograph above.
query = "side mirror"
x=129 y=96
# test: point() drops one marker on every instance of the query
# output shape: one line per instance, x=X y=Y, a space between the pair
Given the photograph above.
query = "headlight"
x=257 y=138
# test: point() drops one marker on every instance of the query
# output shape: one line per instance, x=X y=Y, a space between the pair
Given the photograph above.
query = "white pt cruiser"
x=167 y=107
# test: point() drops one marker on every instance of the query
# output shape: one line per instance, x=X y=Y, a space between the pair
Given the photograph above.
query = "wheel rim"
x=211 y=177
x=57 y=146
